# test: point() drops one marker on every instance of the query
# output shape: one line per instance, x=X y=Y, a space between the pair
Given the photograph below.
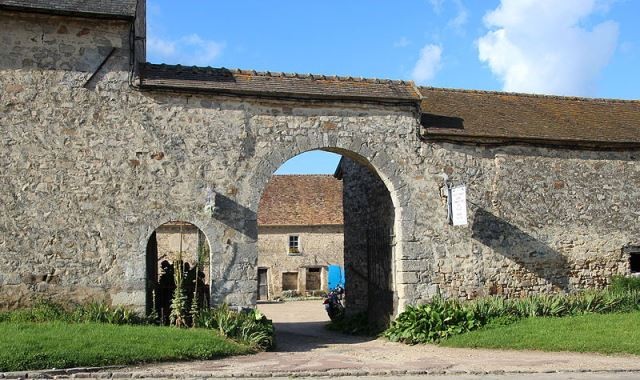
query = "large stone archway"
x=372 y=229
x=320 y=132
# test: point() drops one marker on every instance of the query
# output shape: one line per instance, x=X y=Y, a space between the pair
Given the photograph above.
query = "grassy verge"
x=29 y=345
x=604 y=333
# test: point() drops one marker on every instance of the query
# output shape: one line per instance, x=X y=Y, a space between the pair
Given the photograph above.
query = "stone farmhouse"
x=100 y=148
x=300 y=234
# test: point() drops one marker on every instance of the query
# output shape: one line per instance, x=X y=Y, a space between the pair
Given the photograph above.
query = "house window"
x=314 y=281
x=634 y=262
x=290 y=281
x=294 y=244
x=634 y=257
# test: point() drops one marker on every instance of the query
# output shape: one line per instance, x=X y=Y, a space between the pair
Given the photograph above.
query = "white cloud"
x=437 y=6
x=428 y=64
x=186 y=50
x=402 y=42
x=462 y=16
x=540 y=46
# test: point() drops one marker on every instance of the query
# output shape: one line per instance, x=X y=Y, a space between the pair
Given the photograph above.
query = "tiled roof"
x=280 y=85
x=482 y=116
x=297 y=200
x=116 y=9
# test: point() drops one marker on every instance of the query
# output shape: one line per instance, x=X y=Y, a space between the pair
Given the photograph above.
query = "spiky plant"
x=195 y=304
x=177 y=316
x=179 y=299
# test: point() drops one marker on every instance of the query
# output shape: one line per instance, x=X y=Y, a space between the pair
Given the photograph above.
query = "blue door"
x=336 y=276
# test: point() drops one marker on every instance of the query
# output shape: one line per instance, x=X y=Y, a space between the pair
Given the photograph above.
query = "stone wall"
x=320 y=246
x=57 y=191
x=170 y=237
x=90 y=166
x=369 y=242
x=540 y=220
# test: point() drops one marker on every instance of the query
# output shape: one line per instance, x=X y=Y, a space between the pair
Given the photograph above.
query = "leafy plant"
x=290 y=293
x=179 y=299
x=623 y=283
x=432 y=322
x=249 y=326
x=441 y=319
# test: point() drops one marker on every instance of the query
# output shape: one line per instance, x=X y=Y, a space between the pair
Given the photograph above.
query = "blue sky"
x=562 y=47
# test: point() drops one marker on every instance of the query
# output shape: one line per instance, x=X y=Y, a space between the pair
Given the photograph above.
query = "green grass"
x=29 y=346
x=604 y=333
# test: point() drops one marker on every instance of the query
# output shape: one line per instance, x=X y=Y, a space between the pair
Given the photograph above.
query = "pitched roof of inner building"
x=279 y=85
x=301 y=200
x=115 y=9
x=498 y=116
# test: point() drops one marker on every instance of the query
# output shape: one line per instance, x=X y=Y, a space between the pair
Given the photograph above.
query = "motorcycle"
x=333 y=303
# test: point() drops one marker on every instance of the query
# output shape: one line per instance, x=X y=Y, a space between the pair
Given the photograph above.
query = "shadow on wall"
x=235 y=216
x=528 y=252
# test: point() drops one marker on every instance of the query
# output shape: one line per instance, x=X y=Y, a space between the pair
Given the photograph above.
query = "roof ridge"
x=522 y=94
x=280 y=74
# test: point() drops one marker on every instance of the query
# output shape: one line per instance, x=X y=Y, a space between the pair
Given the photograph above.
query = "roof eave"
x=60 y=12
x=440 y=136
x=280 y=95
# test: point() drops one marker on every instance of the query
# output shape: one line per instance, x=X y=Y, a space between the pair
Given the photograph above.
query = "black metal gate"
x=379 y=276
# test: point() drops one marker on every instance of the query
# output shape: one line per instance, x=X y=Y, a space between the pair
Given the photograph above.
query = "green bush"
x=441 y=319
x=622 y=283
x=47 y=311
x=41 y=311
x=250 y=326
x=290 y=294
x=433 y=322
x=103 y=313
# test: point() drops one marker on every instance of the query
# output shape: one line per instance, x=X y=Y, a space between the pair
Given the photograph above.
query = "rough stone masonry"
x=100 y=148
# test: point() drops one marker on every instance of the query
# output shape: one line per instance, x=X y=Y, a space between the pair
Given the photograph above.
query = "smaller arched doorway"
x=177 y=255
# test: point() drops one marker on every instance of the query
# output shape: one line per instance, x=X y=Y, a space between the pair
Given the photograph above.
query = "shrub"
x=102 y=313
x=248 y=326
x=48 y=311
x=290 y=294
x=622 y=283
x=443 y=318
x=432 y=322
x=41 y=311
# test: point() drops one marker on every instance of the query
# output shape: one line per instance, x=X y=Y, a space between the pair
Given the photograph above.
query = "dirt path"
x=305 y=347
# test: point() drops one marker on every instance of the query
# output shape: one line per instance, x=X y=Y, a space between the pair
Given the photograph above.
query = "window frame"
x=633 y=259
x=293 y=245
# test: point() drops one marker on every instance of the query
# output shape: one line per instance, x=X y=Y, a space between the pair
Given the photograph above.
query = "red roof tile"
x=116 y=9
x=295 y=200
x=484 y=116
x=273 y=84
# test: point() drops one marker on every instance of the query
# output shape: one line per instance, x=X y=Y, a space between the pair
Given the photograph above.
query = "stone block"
x=407 y=277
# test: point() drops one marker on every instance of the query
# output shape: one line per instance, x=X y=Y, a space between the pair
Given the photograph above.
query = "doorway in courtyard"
x=177 y=259
x=326 y=220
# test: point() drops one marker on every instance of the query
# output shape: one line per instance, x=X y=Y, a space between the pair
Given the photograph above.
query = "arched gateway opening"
x=319 y=231
x=177 y=255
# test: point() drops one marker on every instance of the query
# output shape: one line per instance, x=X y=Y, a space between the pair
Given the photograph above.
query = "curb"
x=56 y=373
x=104 y=373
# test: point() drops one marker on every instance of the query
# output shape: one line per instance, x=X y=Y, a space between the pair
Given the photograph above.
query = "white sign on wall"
x=458 y=205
